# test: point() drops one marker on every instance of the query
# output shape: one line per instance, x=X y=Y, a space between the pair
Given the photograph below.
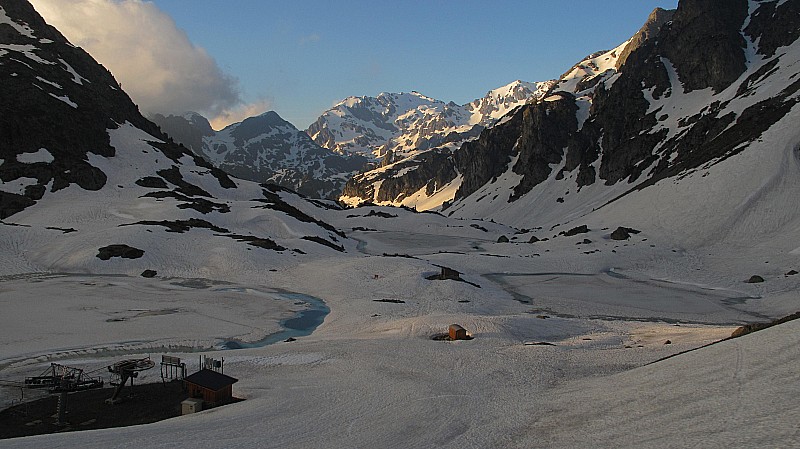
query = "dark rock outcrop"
x=430 y=170
x=49 y=81
x=755 y=327
x=123 y=251
x=180 y=226
x=773 y=34
x=649 y=30
x=582 y=229
x=705 y=44
x=623 y=233
x=483 y=160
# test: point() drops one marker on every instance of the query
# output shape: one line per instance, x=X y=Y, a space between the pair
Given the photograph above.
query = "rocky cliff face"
x=268 y=149
x=48 y=131
x=649 y=30
x=690 y=90
x=83 y=171
x=693 y=87
x=429 y=134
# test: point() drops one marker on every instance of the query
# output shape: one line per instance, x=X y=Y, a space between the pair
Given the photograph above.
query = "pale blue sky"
x=303 y=56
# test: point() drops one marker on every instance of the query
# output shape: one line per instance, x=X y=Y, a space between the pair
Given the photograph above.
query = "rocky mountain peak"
x=47 y=80
x=393 y=126
x=705 y=43
x=199 y=122
x=650 y=29
x=86 y=178
x=693 y=88
x=252 y=127
x=265 y=148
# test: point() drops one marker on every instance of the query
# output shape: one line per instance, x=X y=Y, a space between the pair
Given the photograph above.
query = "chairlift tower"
x=122 y=371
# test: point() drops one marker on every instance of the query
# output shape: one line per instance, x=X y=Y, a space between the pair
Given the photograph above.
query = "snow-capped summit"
x=417 y=169
x=363 y=125
x=265 y=148
x=499 y=102
x=401 y=124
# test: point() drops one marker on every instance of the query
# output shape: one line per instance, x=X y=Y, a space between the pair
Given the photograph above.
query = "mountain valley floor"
x=565 y=336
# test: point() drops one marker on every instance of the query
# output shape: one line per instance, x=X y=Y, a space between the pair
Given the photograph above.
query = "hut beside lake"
x=213 y=387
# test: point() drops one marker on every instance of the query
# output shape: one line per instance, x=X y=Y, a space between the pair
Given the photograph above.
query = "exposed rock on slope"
x=77 y=156
x=692 y=89
x=48 y=129
x=649 y=30
x=266 y=148
x=417 y=168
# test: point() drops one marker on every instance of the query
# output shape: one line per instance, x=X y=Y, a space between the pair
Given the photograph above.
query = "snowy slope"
x=656 y=143
x=499 y=390
x=106 y=176
x=566 y=326
x=266 y=148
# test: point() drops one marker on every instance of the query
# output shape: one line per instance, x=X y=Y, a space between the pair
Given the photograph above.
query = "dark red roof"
x=212 y=380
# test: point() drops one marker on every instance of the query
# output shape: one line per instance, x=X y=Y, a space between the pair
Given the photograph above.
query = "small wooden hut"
x=213 y=387
x=457 y=332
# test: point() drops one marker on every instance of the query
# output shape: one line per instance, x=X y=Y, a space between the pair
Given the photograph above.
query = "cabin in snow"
x=458 y=333
x=213 y=387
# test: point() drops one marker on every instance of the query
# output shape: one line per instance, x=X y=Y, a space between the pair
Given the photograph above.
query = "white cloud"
x=238 y=113
x=154 y=60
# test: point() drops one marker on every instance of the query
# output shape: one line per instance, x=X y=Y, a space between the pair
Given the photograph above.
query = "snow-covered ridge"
x=426 y=133
x=593 y=69
x=82 y=170
x=499 y=102
x=398 y=124
x=265 y=148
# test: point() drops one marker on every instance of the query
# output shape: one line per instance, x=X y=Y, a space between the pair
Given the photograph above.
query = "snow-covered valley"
x=371 y=375
x=596 y=316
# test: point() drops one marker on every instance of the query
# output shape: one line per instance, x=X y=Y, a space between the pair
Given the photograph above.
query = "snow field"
x=370 y=374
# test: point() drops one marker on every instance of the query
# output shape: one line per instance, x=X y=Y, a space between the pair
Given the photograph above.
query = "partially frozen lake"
x=613 y=296
x=99 y=313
